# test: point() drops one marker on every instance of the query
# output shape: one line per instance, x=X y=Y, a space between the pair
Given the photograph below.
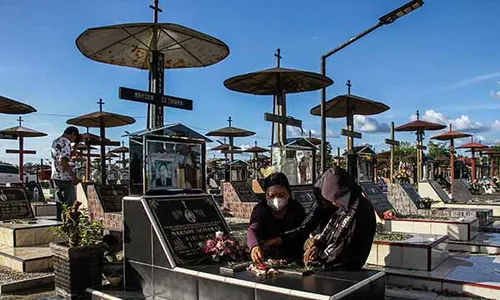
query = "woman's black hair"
x=277 y=178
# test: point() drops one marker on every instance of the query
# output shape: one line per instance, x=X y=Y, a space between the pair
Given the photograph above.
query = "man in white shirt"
x=63 y=175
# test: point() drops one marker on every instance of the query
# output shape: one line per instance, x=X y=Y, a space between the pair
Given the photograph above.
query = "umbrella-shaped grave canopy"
x=256 y=149
x=278 y=81
x=21 y=132
x=131 y=45
x=13 y=107
x=230 y=132
x=338 y=107
x=451 y=135
x=473 y=147
x=121 y=149
x=268 y=82
x=101 y=119
x=419 y=126
x=223 y=147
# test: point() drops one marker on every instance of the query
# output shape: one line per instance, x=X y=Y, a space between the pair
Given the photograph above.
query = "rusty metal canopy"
x=98 y=118
x=90 y=137
x=111 y=155
x=419 y=125
x=231 y=131
x=256 y=149
x=13 y=107
x=82 y=146
x=337 y=107
x=131 y=45
x=472 y=145
x=21 y=131
x=384 y=154
x=121 y=149
x=228 y=151
x=223 y=147
x=450 y=135
x=265 y=82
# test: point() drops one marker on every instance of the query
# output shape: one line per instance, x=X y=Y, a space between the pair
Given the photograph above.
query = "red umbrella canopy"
x=121 y=149
x=450 y=135
x=472 y=145
x=13 y=107
x=420 y=125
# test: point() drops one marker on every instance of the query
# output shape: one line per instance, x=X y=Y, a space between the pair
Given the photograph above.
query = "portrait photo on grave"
x=163 y=175
x=304 y=167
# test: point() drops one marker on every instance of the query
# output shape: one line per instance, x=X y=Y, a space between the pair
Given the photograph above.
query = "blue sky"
x=441 y=59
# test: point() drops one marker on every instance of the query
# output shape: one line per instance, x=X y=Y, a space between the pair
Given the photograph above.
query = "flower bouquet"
x=402 y=176
x=389 y=215
x=222 y=247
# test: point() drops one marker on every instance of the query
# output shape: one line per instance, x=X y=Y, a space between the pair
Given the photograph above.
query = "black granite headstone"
x=412 y=193
x=439 y=191
x=186 y=223
x=244 y=191
x=304 y=194
x=111 y=196
x=376 y=196
x=460 y=191
x=14 y=204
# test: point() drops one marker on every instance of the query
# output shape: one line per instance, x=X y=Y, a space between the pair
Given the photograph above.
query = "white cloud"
x=331 y=134
x=495 y=95
x=296 y=131
x=462 y=123
x=245 y=147
x=367 y=124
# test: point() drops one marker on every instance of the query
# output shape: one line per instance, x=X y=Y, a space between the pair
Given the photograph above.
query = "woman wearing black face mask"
x=346 y=220
x=272 y=217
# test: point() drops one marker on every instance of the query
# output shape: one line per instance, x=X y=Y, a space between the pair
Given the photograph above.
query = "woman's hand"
x=310 y=254
x=271 y=243
x=257 y=254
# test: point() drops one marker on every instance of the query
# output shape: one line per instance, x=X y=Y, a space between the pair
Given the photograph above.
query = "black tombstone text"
x=304 y=194
x=244 y=191
x=376 y=197
x=186 y=223
x=111 y=196
x=412 y=193
x=14 y=204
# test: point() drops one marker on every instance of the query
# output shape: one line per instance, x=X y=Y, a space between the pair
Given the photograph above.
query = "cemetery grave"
x=239 y=198
x=171 y=228
x=23 y=238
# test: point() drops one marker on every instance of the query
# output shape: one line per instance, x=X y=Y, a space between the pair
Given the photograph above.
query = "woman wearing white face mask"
x=272 y=217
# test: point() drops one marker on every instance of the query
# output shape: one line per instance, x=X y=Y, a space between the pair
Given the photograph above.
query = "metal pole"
x=323 y=90
x=391 y=168
x=21 y=158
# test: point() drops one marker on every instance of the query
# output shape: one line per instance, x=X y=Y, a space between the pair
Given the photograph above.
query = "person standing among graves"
x=271 y=217
x=63 y=175
x=346 y=221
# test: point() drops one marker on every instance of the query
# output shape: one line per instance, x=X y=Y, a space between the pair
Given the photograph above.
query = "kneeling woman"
x=272 y=217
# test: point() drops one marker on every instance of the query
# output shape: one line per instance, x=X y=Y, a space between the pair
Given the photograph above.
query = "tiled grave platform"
x=484 y=243
x=23 y=234
x=485 y=216
x=26 y=259
x=41 y=209
x=206 y=282
x=472 y=275
x=462 y=230
x=494 y=206
x=239 y=198
x=162 y=258
x=486 y=197
x=419 y=252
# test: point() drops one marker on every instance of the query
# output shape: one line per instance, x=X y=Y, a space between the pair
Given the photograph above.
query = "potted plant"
x=77 y=262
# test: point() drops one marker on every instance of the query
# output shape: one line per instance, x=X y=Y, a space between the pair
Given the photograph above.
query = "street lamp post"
x=384 y=20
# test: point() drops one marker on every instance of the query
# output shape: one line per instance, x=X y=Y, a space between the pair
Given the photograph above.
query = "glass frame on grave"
x=365 y=174
x=296 y=162
x=237 y=166
x=181 y=160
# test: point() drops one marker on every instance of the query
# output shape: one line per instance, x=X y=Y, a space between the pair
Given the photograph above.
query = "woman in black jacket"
x=346 y=221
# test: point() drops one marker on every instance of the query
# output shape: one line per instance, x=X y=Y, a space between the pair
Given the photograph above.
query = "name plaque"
x=14 y=204
x=186 y=223
x=376 y=196
x=111 y=196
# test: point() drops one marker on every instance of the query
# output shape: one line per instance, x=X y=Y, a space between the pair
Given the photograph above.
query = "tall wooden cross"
x=230 y=121
x=20 y=120
x=155 y=9
x=278 y=57
x=393 y=144
x=101 y=103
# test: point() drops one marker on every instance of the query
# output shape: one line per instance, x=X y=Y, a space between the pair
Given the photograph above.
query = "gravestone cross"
x=101 y=103
x=155 y=9
x=393 y=144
